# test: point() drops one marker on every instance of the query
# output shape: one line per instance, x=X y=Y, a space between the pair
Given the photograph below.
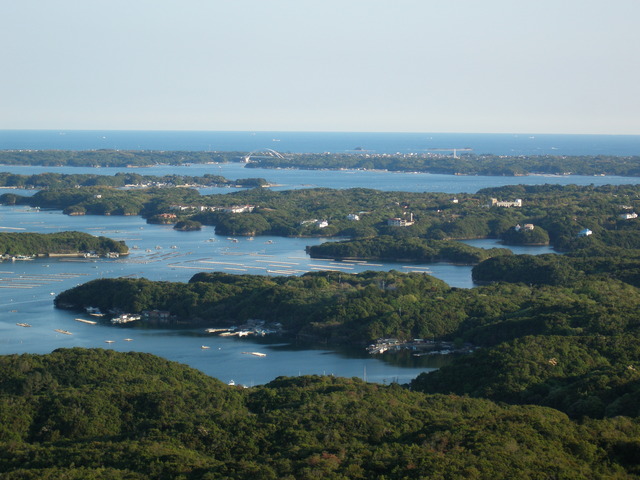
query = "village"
x=419 y=346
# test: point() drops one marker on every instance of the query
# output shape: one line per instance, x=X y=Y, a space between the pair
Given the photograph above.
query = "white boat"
x=128 y=339
x=90 y=322
x=205 y=347
x=126 y=318
x=257 y=354
x=109 y=341
x=21 y=324
x=66 y=332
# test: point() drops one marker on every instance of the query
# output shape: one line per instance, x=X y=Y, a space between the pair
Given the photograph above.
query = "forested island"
x=57 y=244
x=549 y=388
x=566 y=217
x=113 y=158
x=155 y=419
x=464 y=164
x=51 y=180
x=413 y=249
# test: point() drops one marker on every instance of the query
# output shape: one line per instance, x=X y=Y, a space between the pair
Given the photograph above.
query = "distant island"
x=565 y=217
x=410 y=249
x=29 y=245
x=434 y=162
x=50 y=180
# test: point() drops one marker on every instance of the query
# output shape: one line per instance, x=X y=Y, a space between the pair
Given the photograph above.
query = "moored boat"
x=90 y=322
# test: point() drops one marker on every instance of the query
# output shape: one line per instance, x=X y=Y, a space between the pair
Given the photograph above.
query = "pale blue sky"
x=525 y=66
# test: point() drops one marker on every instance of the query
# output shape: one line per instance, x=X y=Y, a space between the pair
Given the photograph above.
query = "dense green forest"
x=550 y=390
x=560 y=331
x=557 y=213
x=112 y=158
x=97 y=414
x=59 y=243
x=399 y=249
x=610 y=262
x=466 y=164
x=51 y=180
x=358 y=308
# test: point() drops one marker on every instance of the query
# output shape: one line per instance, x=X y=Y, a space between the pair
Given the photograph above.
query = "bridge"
x=261 y=153
x=454 y=150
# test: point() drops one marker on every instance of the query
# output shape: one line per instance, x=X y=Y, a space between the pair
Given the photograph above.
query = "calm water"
x=289 y=179
x=499 y=144
x=161 y=253
x=27 y=288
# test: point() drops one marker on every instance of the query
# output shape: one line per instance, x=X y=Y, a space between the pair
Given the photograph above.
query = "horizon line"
x=306 y=131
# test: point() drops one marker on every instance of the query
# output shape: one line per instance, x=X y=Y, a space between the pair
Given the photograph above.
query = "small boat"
x=109 y=341
x=94 y=311
x=257 y=354
x=66 y=332
x=21 y=324
x=128 y=339
x=90 y=322
x=204 y=347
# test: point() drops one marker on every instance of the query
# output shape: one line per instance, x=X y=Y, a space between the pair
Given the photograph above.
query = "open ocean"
x=314 y=142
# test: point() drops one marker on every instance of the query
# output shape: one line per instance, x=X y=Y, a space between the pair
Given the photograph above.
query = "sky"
x=471 y=66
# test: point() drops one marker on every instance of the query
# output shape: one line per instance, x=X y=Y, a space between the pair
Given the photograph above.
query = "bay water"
x=27 y=288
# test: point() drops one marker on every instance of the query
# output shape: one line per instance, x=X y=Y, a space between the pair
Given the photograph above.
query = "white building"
x=400 y=222
x=496 y=203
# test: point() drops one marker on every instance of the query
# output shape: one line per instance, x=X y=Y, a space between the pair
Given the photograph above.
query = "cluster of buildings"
x=505 y=204
x=420 y=347
x=316 y=222
x=527 y=227
x=206 y=208
x=401 y=222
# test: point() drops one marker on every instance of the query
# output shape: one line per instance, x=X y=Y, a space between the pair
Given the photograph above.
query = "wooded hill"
x=50 y=180
x=560 y=213
x=405 y=249
x=59 y=243
x=97 y=414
